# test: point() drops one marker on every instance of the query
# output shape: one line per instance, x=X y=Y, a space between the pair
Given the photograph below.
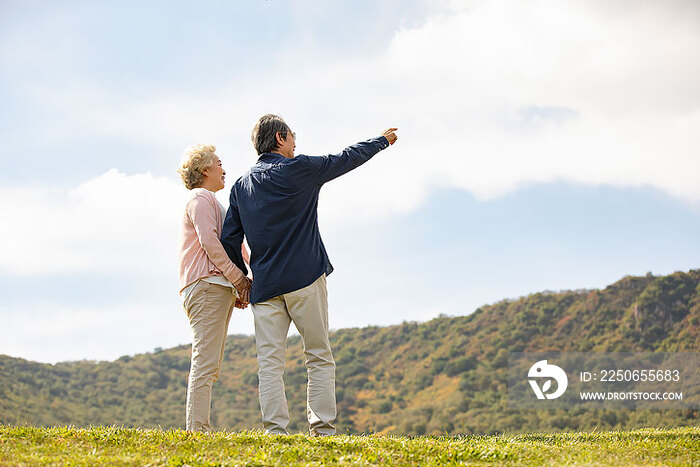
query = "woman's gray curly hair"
x=196 y=160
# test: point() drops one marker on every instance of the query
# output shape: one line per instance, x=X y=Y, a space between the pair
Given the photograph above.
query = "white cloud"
x=488 y=96
x=51 y=332
x=499 y=95
x=117 y=226
x=111 y=224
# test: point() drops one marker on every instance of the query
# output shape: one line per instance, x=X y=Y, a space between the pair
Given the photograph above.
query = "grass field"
x=128 y=446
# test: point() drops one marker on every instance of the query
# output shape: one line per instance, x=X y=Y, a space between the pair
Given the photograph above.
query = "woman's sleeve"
x=203 y=216
x=245 y=254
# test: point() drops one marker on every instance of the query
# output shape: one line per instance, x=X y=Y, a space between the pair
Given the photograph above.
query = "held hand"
x=243 y=293
x=390 y=135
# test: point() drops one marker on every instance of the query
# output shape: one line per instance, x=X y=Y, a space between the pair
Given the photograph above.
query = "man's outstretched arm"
x=326 y=168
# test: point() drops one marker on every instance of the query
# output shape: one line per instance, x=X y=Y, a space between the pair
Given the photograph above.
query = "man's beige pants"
x=308 y=308
x=209 y=308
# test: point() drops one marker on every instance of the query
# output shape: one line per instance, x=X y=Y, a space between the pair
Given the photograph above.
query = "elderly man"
x=275 y=206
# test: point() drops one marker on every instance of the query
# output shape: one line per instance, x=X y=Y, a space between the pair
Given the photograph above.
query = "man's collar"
x=271 y=157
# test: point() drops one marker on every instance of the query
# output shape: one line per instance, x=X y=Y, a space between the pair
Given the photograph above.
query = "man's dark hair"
x=265 y=131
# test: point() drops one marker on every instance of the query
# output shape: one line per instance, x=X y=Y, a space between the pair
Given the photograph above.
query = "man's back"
x=275 y=205
x=277 y=201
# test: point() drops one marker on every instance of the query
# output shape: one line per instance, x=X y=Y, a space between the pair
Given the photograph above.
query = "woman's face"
x=215 y=176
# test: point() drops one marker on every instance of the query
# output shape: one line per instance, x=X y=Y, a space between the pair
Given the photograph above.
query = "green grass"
x=129 y=446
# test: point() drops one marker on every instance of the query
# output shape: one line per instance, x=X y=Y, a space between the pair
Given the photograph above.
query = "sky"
x=543 y=145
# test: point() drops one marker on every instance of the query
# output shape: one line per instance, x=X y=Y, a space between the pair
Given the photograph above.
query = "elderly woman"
x=210 y=284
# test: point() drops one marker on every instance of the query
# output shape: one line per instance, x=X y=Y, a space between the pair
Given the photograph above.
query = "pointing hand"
x=390 y=135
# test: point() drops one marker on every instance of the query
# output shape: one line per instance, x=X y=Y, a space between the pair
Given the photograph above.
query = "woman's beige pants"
x=209 y=308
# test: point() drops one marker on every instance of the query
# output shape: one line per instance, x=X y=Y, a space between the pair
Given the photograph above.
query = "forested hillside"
x=444 y=376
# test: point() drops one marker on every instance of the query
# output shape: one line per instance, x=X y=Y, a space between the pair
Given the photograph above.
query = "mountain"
x=447 y=375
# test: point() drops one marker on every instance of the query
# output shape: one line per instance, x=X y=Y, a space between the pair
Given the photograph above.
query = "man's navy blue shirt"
x=275 y=206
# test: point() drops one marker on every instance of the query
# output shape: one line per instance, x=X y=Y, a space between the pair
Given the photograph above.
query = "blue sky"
x=542 y=146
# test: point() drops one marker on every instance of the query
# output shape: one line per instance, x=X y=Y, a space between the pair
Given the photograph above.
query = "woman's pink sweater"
x=201 y=252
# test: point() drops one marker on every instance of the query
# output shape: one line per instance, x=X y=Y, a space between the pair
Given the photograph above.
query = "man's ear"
x=280 y=140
